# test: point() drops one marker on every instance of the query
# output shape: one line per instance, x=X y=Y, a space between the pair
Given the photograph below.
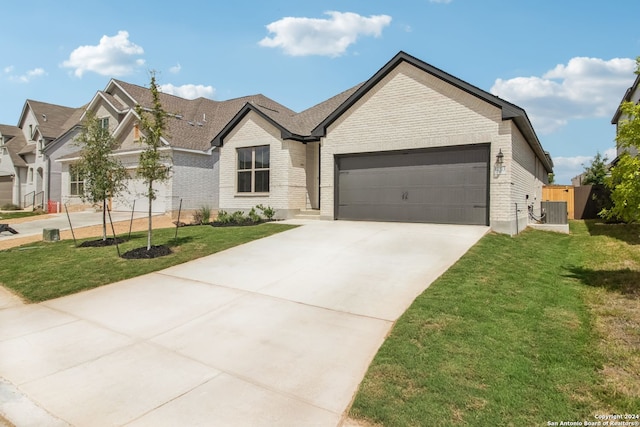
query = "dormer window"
x=30 y=132
x=104 y=123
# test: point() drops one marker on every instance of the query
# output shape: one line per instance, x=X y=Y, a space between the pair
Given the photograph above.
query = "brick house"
x=412 y=143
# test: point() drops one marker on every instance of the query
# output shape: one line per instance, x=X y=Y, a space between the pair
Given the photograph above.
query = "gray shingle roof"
x=15 y=142
x=51 y=118
x=192 y=124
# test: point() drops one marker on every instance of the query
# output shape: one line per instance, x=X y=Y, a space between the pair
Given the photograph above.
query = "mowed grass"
x=43 y=271
x=19 y=214
x=521 y=331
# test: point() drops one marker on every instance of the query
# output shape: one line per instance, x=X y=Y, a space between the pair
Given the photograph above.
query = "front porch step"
x=308 y=214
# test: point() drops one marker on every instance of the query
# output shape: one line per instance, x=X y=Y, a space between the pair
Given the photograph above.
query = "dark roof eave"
x=320 y=130
x=524 y=125
x=300 y=138
x=509 y=111
x=625 y=98
x=218 y=140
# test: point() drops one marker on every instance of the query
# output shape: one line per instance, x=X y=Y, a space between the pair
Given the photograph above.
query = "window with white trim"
x=76 y=181
x=253 y=169
x=104 y=123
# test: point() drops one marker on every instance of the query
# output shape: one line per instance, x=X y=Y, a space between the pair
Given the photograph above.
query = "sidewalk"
x=85 y=224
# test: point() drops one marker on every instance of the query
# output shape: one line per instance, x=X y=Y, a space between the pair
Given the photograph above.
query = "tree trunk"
x=104 y=219
x=150 y=224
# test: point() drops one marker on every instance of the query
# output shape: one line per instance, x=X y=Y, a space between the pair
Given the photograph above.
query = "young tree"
x=152 y=168
x=624 y=181
x=597 y=171
x=104 y=175
x=551 y=178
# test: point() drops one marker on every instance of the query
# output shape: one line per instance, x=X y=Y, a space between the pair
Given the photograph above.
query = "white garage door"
x=135 y=193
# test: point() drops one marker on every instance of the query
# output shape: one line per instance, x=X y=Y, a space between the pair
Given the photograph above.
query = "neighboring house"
x=631 y=95
x=12 y=141
x=191 y=125
x=40 y=124
x=412 y=143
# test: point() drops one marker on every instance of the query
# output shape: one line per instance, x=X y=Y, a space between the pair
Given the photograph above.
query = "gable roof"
x=193 y=123
x=51 y=117
x=14 y=142
x=312 y=124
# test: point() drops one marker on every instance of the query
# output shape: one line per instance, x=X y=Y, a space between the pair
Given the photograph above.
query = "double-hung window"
x=104 y=123
x=253 y=169
x=76 y=180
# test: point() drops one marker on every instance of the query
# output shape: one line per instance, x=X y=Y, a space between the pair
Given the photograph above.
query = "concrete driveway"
x=279 y=331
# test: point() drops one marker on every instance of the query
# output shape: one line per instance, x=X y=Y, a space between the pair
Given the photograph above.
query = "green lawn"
x=43 y=271
x=521 y=331
x=18 y=214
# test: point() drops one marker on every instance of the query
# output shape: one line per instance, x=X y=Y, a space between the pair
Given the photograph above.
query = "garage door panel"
x=442 y=186
x=6 y=190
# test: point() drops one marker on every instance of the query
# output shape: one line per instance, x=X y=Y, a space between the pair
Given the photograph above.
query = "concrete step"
x=308 y=214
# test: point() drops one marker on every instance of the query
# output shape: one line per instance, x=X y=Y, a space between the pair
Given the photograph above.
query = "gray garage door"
x=445 y=185
x=6 y=186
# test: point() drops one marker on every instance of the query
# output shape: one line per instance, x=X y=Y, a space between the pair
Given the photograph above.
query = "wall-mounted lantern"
x=499 y=167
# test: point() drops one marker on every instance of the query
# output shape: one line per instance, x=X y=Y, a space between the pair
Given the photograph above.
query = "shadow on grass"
x=181 y=240
x=629 y=233
x=625 y=282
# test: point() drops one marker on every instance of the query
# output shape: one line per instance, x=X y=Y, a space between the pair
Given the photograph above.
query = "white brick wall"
x=407 y=109
x=287 y=174
x=195 y=180
x=524 y=177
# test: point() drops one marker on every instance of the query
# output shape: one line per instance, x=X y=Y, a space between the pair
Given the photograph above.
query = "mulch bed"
x=236 y=224
x=143 y=253
x=110 y=241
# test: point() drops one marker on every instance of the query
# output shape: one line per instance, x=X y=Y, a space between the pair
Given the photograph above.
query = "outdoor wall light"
x=499 y=166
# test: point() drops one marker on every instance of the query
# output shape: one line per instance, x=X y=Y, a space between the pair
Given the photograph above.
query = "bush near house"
x=239 y=218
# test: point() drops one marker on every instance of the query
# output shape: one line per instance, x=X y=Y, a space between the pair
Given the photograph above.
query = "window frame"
x=76 y=182
x=252 y=170
x=104 y=122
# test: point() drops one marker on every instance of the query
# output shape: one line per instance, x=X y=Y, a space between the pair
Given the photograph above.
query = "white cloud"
x=583 y=88
x=113 y=56
x=566 y=168
x=28 y=76
x=175 y=69
x=326 y=37
x=189 y=91
x=8 y=69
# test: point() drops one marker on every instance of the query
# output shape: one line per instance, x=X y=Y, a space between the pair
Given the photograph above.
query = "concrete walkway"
x=279 y=331
x=35 y=225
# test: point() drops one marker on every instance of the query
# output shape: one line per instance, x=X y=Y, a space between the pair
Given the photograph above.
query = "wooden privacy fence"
x=583 y=202
x=560 y=193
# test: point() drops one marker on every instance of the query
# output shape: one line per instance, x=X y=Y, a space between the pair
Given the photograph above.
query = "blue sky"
x=567 y=63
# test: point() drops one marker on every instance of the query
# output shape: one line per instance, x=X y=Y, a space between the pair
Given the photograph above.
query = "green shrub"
x=202 y=215
x=254 y=217
x=268 y=212
x=223 y=217
x=238 y=218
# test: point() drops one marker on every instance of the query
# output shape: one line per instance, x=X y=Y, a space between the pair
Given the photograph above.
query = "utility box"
x=50 y=234
x=555 y=212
